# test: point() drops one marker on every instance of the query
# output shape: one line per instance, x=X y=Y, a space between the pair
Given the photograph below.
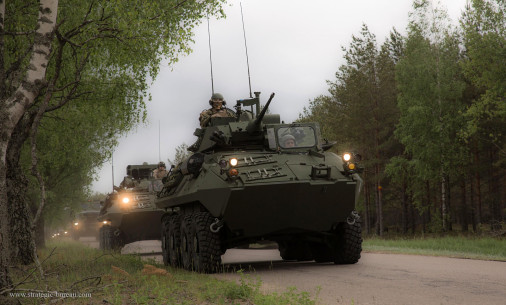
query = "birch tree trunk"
x=13 y=108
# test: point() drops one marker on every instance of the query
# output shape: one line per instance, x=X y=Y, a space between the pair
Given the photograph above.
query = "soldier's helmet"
x=217 y=96
x=160 y=164
x=286 y=138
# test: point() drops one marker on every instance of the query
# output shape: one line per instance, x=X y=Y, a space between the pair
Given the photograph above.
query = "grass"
x=111 y=278
x=485 y=248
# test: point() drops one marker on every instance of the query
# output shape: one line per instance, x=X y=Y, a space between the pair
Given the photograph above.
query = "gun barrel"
x=253 y=126
x=264 y=110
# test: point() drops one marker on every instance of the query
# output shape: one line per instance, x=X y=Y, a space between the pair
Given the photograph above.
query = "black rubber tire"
x=322 y=253
x=171 y=240
x=174 y=240
x=349 y=246
x=111 y=240
x=294 y=250
x=105 y=237
x=101 y=242
x=186 y=242
x=206 y=250
x=164 y=237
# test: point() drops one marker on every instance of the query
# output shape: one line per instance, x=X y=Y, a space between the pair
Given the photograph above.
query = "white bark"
x=35 y=77
x=13 y=109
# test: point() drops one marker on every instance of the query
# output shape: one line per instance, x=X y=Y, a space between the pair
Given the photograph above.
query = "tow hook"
x=353 y=218
x=117 y=232
x=216 y=226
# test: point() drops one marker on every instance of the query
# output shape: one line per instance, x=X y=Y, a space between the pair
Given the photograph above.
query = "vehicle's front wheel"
x=186 y=242
x=171 y=240
x=349 y=243
x=113 y=239
x=206 y=251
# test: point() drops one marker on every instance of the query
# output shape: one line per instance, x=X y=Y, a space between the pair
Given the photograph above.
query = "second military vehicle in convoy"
x=129 y=213
x=253 y=178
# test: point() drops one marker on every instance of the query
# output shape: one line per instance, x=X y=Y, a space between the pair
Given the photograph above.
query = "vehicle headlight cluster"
x=229 y=167
x=350 y=162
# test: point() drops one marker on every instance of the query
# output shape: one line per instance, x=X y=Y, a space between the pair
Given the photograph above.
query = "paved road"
x=377 y=279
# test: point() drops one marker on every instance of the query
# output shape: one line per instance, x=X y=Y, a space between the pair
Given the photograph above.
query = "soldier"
x=218 y=110
x=288 y=141
x=160 y=172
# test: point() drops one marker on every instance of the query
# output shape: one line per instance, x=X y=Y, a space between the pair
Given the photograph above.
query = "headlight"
x=65 y=232
x=76 y=223
x=125 y=200
x=346 y=157
x=104 y=222
x=233 y=162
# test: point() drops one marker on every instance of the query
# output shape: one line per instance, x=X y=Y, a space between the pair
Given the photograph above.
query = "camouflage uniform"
x=159 y=174
x=206 y=115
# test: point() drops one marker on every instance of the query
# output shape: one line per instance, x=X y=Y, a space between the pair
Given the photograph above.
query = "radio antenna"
x=210 y=56
x=246 y=46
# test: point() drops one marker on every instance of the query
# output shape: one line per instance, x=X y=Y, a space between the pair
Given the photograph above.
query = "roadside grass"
x=111 y=278
x=484 y=248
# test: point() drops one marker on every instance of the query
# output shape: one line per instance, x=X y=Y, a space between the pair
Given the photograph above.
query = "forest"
x=427 y=113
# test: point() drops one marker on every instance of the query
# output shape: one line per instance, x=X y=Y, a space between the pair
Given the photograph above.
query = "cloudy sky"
x=294 y=47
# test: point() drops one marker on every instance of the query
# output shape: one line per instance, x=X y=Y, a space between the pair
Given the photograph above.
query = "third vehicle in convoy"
x=253 y=178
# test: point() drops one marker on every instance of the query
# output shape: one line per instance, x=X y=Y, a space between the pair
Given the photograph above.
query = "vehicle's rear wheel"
x=349 y=244
x=294 y=250
x=322 y=253
x=206 y=251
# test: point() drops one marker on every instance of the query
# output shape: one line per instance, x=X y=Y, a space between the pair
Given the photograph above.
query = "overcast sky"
x=294 y=47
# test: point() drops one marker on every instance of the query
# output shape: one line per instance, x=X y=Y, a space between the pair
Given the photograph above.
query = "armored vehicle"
x=85 y=224
x=129 y=213
x=253 y=178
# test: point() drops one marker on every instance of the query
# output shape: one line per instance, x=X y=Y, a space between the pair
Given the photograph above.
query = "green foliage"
x=452 y=246
x=430 y=91
x=427 y=113
x=104 y=55
x=484 y=31
x=181 y=154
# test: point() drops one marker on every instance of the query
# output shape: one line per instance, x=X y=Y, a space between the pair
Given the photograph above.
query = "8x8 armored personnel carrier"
x=129 y=214
x=253 y=178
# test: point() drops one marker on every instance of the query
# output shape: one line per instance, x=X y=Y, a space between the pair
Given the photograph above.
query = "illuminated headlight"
x=76 y=223
x=65 y=232
x=233 y=162
x=104 y=222
x=346 y=157
x=125 y=200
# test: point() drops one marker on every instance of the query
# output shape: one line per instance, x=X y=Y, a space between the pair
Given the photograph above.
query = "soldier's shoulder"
x=206 y=111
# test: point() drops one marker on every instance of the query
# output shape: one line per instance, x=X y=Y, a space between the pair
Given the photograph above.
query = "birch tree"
x=55 y=54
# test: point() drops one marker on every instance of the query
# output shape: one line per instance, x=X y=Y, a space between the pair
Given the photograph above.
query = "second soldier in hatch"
x=160 y=171
x=217 y=110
